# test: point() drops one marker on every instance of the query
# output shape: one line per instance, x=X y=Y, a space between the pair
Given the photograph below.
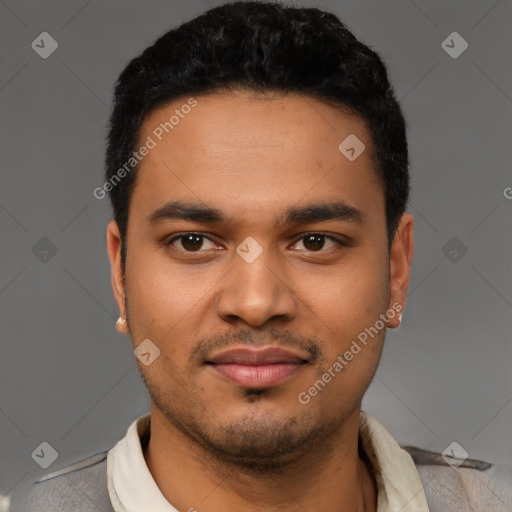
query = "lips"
x=257 y=369
x=251 y=357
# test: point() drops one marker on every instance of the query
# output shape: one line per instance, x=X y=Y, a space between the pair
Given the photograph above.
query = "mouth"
x=257 y=369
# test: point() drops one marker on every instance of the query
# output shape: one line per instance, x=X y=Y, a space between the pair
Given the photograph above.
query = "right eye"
x=189 y=242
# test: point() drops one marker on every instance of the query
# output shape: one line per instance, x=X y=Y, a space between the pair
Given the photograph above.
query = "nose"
x=256 y=292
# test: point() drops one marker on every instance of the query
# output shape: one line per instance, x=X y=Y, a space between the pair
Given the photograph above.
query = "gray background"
x=67 y=377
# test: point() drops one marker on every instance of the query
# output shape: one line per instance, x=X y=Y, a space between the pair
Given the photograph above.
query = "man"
x=258 y=170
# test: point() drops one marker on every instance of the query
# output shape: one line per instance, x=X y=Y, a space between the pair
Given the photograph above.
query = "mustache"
x=272 y=336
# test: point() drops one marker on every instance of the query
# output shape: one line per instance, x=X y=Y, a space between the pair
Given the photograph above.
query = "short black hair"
x=263 y=47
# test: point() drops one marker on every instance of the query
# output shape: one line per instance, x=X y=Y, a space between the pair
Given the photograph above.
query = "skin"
x=213 y=445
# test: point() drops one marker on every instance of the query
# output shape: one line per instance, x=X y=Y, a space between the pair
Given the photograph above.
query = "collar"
x=132 y=488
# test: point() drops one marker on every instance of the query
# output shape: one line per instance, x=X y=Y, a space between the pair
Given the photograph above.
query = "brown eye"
x=315 y=242
x=189 y=242
x=192 y=242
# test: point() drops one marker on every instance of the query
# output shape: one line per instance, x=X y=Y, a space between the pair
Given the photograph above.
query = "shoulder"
x=473 y=485
x=81 y=487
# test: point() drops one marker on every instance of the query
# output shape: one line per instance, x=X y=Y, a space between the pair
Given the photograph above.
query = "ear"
x=400 y=259
x=114 y=254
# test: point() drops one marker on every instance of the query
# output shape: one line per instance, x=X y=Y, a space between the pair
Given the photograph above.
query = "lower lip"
x=257 y=377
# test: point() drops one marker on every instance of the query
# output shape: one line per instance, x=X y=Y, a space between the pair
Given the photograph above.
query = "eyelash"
x=183 y=235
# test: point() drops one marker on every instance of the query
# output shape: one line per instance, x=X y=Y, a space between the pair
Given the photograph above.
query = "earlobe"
x=400 y=259
x=394 y=316
x=122 y=326
x=395 y=322
x=114 y=254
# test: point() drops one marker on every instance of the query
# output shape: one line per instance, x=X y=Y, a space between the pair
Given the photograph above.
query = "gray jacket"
x=475 y=486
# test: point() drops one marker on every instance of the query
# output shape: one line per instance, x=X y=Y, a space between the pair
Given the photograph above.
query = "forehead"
x=245 y=151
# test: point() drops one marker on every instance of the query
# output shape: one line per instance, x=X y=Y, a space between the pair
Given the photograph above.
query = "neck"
x=331 y=478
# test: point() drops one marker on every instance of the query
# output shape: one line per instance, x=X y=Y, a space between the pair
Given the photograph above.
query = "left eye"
x=193 y=242
x=315 y=241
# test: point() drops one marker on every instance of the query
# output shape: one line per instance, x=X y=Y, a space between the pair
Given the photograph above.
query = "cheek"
x=163 y=291
x=356 y=335
x=353 y=296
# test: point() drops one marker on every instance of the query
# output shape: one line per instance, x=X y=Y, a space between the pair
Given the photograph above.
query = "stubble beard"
x=255 y=443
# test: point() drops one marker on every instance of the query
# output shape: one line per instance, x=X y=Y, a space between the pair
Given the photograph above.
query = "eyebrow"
x=315 y=212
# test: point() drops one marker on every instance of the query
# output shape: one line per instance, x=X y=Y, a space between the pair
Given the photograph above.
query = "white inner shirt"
x=132 y=488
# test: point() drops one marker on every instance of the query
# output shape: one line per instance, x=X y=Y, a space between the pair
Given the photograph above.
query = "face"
x=257 y=258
